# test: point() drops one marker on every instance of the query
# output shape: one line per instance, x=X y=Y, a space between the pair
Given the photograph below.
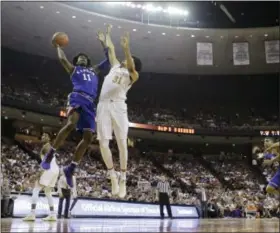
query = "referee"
x=163 y=191
x=65 y=192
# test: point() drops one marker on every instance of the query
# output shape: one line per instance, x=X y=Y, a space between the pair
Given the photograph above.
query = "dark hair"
x=75 y=59
x=137 y=63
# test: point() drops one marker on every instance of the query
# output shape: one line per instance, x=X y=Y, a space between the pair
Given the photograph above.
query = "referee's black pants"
x=66 y=194
x=204 y=209
x=164 y=201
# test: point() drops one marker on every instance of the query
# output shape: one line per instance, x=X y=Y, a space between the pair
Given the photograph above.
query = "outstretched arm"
x=111 y=48
x=105 y=64
x=273 y=146
x=62 y=58
x=130 y=63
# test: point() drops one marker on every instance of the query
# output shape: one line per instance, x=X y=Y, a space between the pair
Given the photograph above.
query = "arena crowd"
x=41 y=83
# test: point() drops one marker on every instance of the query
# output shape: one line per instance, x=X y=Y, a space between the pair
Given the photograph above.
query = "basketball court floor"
x=142 y=225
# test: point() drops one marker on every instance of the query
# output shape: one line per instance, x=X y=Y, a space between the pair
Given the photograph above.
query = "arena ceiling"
x=28 y=27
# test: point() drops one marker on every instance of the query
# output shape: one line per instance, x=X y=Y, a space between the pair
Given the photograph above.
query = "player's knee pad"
x=104 y=144
x=35 y=195
x=270 y=189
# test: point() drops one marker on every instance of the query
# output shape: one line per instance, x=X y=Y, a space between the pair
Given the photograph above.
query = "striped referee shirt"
x=163 y=187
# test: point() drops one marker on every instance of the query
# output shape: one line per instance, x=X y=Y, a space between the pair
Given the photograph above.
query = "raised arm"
x=111 y=48
x=68 y=66
x=105 y=64
x=129 y=59
x=273 y=146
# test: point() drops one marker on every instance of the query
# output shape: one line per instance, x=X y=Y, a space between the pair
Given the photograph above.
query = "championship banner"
x=204 y=54
x=241 y=53
x=272 y=51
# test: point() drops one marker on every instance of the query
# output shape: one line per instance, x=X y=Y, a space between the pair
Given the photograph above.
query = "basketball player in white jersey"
x=112 y=109
x=46 y=182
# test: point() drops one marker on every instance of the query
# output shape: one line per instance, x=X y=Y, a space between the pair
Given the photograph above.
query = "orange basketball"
x=60 y=38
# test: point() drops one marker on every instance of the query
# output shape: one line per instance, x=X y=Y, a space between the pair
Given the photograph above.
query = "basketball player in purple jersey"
x=270 y=157
x=80 y=106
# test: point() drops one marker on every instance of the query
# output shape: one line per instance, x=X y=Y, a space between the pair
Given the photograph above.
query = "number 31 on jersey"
x=117 y=80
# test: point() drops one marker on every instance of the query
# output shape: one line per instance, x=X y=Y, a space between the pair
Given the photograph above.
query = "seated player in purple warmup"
x=271 y=156
x=80 y=106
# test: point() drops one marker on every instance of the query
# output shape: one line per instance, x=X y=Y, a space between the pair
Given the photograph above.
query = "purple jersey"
x=85 y=80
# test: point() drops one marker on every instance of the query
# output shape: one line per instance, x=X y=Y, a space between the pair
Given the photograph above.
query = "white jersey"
x=116 y=84
x=49 y=177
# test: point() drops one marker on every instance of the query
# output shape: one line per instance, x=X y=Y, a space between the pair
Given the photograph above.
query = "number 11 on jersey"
x=86 y=77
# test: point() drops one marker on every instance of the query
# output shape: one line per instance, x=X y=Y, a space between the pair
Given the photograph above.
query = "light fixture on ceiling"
x=236 y=36
x=178 y=35
x=149 y=32
x=58 y=12
x=192 y=36
x=41 y=7
x=266 y=35
x=222 y=37
x=134 y=30
x=119 y=27
x=251 y=36
x=73 y=17
x=207 y=36
x=151 y=8
x=163 y=33
x=89 y=21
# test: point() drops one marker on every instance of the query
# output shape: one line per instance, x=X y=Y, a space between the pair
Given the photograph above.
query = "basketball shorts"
x=275 y=181
x=112 y=117
x=49 y=177
x=85 y=107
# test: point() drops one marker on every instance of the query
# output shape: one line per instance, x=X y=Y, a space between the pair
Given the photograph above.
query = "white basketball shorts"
x=49 y=177
x=111 y=117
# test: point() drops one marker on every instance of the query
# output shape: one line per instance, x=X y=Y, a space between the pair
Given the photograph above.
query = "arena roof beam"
x=228 y=14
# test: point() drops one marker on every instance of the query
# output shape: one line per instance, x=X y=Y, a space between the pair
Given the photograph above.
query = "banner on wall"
x=241 y=53
x=101 y=208
x=204 y=55
x=272 y=51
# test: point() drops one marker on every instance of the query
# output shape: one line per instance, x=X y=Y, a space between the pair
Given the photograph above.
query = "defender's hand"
x=101 y=36
x=125 y=40
x=109 y=28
